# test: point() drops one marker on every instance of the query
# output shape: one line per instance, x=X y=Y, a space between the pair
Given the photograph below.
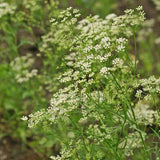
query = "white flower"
x=117 y=62
x=138 y=93
x=24 y=118
x=157 y=41
x=104 y=70
x=110 y=16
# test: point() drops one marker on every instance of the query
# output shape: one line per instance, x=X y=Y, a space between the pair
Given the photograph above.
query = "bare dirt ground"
x=11 y=149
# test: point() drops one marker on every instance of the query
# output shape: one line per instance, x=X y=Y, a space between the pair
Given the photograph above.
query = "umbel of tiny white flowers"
x=22 y=66
x=96 y=80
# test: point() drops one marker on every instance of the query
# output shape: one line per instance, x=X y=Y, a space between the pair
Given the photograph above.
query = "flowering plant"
x=101 y=109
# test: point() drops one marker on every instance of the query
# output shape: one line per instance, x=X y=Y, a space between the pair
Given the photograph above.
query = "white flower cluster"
x=5 y=9
x=67 y=152
x=151 y=85
x=30 y=4
x=139 y=93
x=95 y=133
x=115 y=25
x=24 y=118
x=121 y=43
x=96 y=80
x=131 y=142
x=22 y=66
x=60 y=37
x=94 y=46
x=105 y=70
x=34 y=119
x=99 y=57
x=117 y=62
x=157 y=40
x=144 y=114
x=63 y=102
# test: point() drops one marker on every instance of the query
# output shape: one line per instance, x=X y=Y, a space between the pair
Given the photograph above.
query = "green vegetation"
x=78 y=86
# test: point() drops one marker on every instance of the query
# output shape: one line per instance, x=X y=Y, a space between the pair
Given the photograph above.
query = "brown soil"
x=11 y=149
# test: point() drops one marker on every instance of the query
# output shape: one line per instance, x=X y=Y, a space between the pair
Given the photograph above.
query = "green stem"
x=135 y=46
x=133 y=114
x=83 y=138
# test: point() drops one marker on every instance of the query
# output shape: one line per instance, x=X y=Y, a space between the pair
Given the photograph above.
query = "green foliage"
x=74 y=80
x=100 y=7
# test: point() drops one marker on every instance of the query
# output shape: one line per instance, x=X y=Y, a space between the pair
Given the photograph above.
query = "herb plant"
x=102 y=108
